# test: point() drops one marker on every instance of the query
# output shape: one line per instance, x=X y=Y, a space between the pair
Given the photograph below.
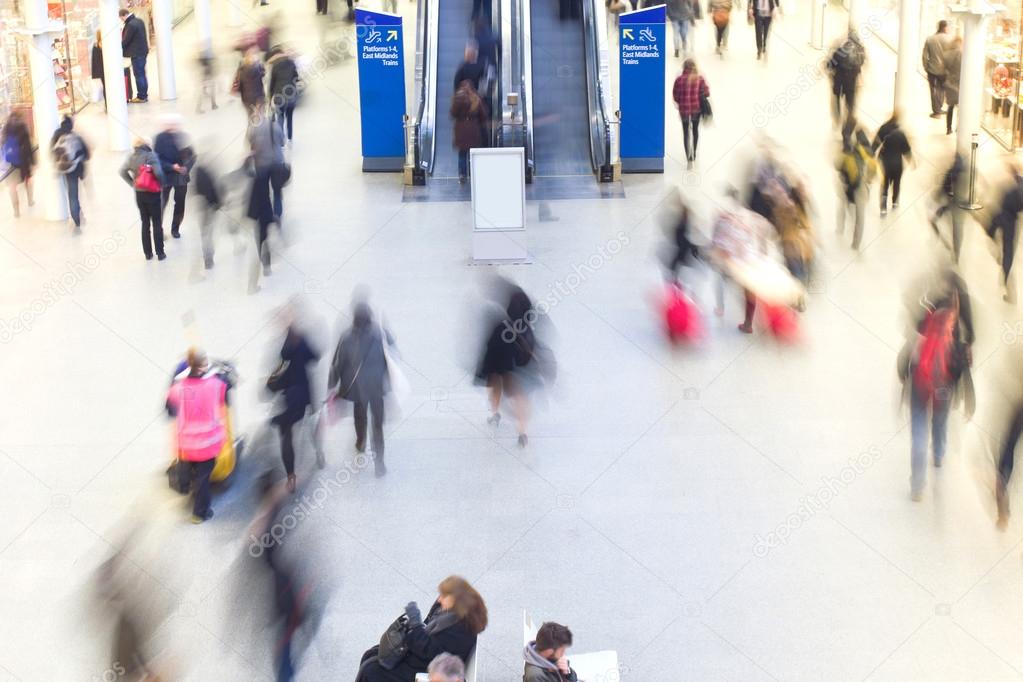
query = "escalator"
x=566 y=85
x=443 y=29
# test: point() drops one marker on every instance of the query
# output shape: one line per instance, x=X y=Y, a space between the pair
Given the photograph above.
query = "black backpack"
x=851 y=56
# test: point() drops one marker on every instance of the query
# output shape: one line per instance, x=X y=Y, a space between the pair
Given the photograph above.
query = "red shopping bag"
x=782 y=322
x=681 y=316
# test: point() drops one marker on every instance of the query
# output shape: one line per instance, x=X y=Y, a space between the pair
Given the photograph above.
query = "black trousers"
x=761 y=25
x=152 y=222
x=691 y=135
x=1008 y=226
x=202 y=471
x=286 y=429
x=843 y=88
x=285 y=115
x=179 y=205
x=375 y=406
x=321 y=6
x=893 y=179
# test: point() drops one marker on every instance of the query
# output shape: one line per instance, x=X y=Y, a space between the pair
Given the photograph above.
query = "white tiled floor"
x=637 y=513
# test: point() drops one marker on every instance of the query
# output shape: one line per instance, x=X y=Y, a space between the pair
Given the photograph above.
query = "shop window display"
x=15 y=76
x=1002 y=113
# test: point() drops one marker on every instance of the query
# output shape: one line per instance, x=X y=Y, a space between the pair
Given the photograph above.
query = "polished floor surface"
x=737 y=511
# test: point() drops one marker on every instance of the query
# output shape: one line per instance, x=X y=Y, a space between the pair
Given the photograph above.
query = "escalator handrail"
x=497 y=15
x=526 y=85
x=428 y=23
x=597 y=88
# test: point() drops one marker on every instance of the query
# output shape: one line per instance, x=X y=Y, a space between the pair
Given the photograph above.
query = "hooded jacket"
x=539 y=669
x=284 y=80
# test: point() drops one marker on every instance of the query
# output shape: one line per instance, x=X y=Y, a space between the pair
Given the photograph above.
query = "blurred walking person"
x=248 y=84
x=856 y=170
x=683 y=14
x=1005 y=218
x=266 y=142
x=934 y=368
x=761 y=13
x=845 y=64
x=933 y=58
x=946 y=202
x=359 y=374
x=285 y=84
x=177 y=159
x=143 y=171
x=70 y=154
x=953 y=65
x=721 y=17
x=208 y=189
x=891 y=146
x=689 y=92
x=740 y=237
x=198 y=403
x=19 y=157
x=291 y=380
x=1006 y=463
x=469 y=112
x=208 y=79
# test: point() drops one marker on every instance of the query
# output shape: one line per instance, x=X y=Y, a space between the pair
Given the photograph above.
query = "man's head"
x=123 y=13
x=942 y=26
x=553 y=640
x=446 y=668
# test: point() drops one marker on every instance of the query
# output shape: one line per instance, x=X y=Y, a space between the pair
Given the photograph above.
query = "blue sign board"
x=381 y=90
x=641 y=89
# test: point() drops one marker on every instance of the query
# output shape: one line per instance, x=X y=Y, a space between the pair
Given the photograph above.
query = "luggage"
x=681 y=316
x=782 y=322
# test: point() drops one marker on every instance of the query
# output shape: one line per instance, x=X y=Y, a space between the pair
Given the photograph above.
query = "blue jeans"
x=937 y=409
x=681 y=35
x=72 y=179
x=138 y=67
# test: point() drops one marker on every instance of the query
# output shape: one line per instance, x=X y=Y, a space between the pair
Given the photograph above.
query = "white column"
x=48 y=188
x=971 y=77
x=118 y=136
x=234 y=13
x=163 y=18
x=817 y=24
x=856 y=14
x=906 y=76
x=203 y=25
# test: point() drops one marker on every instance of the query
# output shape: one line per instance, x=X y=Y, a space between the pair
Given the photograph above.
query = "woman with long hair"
x=17 y=153
x=456 y=618
x=689 y=89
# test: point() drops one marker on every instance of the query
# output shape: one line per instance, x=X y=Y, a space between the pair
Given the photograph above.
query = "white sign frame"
x=498 y=186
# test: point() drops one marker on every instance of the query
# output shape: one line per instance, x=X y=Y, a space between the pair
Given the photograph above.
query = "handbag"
x=705 y=108
x=145 y=179
x=393 y=647
x=275 y=382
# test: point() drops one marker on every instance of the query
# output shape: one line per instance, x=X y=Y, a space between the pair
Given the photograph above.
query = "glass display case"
x=72 y=51
x=1002 y=117
x=15 y=74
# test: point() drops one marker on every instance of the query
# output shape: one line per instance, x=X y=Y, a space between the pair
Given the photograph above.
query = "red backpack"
x=933 y=368
x=146 y=180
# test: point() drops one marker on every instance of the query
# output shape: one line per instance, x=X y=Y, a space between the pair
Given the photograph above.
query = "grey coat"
x=266 y=140
x=359 y=369
x=140 y=156
x=934 y=54
x=953 y=65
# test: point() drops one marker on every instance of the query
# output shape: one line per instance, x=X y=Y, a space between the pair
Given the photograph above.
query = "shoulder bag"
x=393 y=646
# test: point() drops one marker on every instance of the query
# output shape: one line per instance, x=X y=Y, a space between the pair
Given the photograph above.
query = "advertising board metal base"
x=383 y=164
x=643 y=165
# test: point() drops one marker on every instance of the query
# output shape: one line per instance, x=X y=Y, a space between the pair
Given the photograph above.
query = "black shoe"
x=360 y=446
x=935 y=115
x=175 y=234
x=676 y=53
x=379 y=469
x=208 y=263
x=196 y=519
x=161 y=256
x=266 y=270
x=149 y=256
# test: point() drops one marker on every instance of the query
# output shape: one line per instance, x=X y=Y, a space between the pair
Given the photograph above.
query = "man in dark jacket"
x=891 y=146
x=545 y=658
x=470 y=69
x=1005 y=219
x=176 y=159
x=845 y=65
x=135 y=47
x=285 y=85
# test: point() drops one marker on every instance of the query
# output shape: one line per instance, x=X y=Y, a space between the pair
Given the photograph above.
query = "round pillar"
x=909 y=53
x=118 y=135
x=817 y=8
x=163 y=21
x=203 y=25
x=47 y=185
x=971 y=76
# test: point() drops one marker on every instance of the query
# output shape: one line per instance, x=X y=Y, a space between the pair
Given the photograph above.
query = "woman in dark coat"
x=452 y=625
x=470 y=115
x=359 y=374
x=249 y=82
x=16 y=150
x=284 y=88
x=509 y=348
x=292 y=380
x=96 y=66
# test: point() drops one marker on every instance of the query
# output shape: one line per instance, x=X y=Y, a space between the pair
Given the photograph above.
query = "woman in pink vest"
x=199 y=403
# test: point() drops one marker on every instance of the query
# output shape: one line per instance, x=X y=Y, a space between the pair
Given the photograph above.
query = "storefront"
x=15 y=75
x=73 y=50
x=1002 y=116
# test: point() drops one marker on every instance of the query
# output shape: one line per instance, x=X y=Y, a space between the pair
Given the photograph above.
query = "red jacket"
x=687 y=91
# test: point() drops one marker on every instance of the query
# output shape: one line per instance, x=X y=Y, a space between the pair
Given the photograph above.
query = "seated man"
x=446 y=668
x=545 y=658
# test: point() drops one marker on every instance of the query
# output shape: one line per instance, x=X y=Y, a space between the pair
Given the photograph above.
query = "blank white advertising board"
x=498 y=205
